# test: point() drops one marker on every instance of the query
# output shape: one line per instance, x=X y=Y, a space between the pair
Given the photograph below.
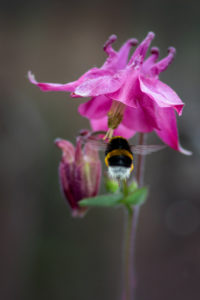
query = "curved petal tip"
x=155 y=50
x=151 y=35
x=172 y=50
x=110 y=40
x=133 y=42
x=184 y=151
x=31 y=77
x=57 y=142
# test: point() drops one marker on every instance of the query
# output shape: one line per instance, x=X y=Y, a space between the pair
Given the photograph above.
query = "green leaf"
x=102 y=200
x=137 y=197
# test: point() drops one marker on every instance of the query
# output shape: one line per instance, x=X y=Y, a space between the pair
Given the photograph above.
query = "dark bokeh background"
x=44 y=252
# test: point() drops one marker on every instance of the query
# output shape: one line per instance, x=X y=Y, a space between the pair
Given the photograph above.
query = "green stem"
x=130 y=235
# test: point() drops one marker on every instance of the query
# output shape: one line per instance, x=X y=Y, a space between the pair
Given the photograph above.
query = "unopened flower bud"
x=79 y=173
x=111 y=185
x=132 y=187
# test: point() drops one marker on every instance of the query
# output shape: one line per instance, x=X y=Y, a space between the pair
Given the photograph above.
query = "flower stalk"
x=130 y=231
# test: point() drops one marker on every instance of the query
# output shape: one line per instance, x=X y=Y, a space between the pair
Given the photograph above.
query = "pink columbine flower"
x=79 y=173
x=128 y=97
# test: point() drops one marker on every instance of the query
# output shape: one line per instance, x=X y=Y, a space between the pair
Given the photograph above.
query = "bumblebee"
x=119 y=158
x=119 y=154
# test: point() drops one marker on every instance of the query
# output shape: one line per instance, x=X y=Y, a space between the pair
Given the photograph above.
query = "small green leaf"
x=111 y=185
x=137 y=197
x=102 y=200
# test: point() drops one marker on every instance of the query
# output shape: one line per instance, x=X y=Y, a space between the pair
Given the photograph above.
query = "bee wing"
x=97 y=143
x=146 y=149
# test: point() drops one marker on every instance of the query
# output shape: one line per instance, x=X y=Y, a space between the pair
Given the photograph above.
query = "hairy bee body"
x=118 y=153
x=119 y=158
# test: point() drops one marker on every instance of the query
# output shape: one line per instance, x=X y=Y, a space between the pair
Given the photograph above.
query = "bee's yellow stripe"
x=117 y=152
x=132 y=167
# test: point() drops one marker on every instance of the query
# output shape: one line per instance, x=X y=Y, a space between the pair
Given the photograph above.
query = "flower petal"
x=79 y=156
x=143 y=118
x=102 y=125
x=68 y=150
x=100 y=85
x=45 y=86
x=91 y=177
x=71 y=86
x=150 y=61
x=163 y=64
x=95 y=108
x=168 y=131
x=123 y=53
x=161 y=93
x=90 y=153
x=129 y=90
x=66 y=179
x=117 y=60
x=140 y=53
x=107 y=46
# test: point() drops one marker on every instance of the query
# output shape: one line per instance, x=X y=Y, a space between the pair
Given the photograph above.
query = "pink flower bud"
x=79 y=173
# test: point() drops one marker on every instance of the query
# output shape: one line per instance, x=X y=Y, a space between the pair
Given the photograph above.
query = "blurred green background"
x=44 y=252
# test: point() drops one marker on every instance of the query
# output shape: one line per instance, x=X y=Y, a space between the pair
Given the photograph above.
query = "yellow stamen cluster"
x=115 y=117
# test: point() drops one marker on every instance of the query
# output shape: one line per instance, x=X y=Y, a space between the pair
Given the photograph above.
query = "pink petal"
x=129 y=91
x=143 y=118
x=150 y=61
x=161 y=93
x=87 y=171
x=168 y=131
x=140 y=53
x=95 y=108
x=100 y=85
x=90 y=153
x=163 y=64
x=107 y=46
x=67 y=183
x=79 y=156
x=68 y=87
x=124 y=53
x=90 y=180
x=68 y=150
x=107 y=79
x=117 y=60
x=71 y=86
x=102 y=125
